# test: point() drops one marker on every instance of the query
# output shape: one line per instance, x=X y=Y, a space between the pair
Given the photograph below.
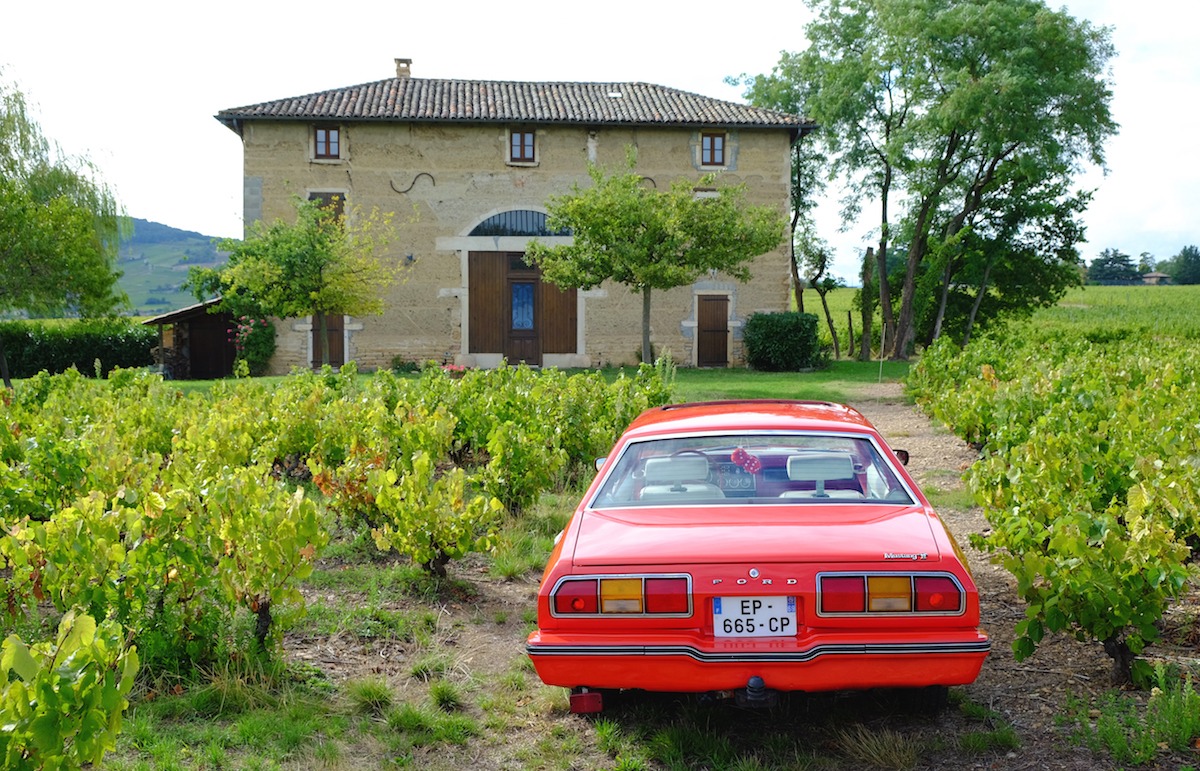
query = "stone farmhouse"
x=468 y=167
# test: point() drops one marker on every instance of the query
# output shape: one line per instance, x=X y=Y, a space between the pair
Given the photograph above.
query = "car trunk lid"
x=698 y=535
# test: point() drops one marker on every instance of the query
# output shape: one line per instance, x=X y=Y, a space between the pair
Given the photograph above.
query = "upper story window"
x=327 y=142
x=712 y=149
x=521 y=147
x=334 y=202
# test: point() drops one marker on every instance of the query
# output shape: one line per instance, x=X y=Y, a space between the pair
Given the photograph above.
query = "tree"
x=59 y=225
x=960 y=106
x=649 y=239
x=1185 y=266
x=816 y=259
x=323 y=263
x=1113 y=267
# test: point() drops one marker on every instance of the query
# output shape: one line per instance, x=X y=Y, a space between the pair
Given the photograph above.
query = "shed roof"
x=183 y=314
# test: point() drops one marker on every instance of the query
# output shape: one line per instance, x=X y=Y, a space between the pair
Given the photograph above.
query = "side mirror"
x=600 y=463
x=902 y=455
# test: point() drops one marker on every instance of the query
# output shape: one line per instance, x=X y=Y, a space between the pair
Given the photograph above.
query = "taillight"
x=843 y=594
x=623 y=595
x=575 y=597
x=868 y=594
x=667 y=595
x=937 y=594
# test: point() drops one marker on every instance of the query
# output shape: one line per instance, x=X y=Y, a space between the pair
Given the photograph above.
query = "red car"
x=743 y=548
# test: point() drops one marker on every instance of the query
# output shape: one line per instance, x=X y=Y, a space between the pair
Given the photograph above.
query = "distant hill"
x=155 y=261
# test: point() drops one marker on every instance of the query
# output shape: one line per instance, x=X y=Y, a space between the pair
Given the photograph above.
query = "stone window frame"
x=714 y=147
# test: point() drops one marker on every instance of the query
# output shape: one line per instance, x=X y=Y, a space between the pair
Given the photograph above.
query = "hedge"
x=33 y=346
x=781 y=342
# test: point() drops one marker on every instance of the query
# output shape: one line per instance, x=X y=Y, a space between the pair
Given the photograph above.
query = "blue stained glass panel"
x=522 y=306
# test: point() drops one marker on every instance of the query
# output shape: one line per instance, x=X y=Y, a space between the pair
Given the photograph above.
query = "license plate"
x=754 y=616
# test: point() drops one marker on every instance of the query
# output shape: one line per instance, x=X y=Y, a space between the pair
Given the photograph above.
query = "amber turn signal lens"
x=621 y=595
x=889 y=593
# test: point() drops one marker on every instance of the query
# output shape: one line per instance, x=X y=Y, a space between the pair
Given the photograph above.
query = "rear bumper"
x=845 y=664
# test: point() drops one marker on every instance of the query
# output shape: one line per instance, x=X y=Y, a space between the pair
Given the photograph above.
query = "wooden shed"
x=194 y=343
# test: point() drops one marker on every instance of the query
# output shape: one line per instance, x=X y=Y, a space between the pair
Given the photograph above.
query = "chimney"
x=403 y=68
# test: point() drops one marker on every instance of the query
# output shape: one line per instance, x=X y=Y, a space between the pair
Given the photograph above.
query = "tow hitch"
x=756 y=694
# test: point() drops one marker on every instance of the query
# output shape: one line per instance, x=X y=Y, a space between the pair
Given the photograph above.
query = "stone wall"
x=441 y=180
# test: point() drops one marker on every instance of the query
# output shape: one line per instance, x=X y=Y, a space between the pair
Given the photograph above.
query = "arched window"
x=517 y=222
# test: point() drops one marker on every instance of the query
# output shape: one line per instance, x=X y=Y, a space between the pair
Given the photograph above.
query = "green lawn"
x=839 y=383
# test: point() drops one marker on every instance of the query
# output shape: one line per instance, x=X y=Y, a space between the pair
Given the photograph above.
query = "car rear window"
x=736 y=469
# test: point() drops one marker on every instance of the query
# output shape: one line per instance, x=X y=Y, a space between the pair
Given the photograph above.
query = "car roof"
x=749 y=414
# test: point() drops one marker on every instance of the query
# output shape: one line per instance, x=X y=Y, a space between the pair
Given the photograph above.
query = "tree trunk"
x=837 y=349
x=866 y=300
x=262 y=624
x=887 y=315
x=437 y=565
x=983 y=287
x=4 y=365
x=943 y=299
x=647 y=352
x=797 y=282
x=918 y=248
x=1118 y=649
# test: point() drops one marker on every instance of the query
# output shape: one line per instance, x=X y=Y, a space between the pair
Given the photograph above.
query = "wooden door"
x=212 y=350
x=521 y=339
x=513 y=312
x=712 y=331
x=334 y=329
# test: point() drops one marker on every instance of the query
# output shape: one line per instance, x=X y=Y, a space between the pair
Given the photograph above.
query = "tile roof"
x=489 y=101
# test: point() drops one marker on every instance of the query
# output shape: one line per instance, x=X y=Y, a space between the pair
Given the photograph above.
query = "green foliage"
x=1170 y=720
x=1087 y=480
x=1185 y=266
x=372 y=696
x=1113 y=267
x=972 y=134
x=781 y=342
x=430 y=514
x=33 y=346
x=322 y=263
x=264 y=540
x=59 y=223
x=649 y=239
x=178 y=518
x=254 y=341
x=61 y=702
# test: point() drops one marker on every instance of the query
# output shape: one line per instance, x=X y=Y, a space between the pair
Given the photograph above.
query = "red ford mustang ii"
x=743 y=548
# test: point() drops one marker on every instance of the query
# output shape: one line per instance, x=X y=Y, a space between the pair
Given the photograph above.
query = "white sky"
x=133 y=84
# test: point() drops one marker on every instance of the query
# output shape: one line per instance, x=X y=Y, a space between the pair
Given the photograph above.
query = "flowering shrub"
x=254 y=340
